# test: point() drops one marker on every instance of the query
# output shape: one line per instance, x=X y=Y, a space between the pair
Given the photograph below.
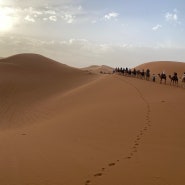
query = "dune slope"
x=168 y=66
x=27 y=80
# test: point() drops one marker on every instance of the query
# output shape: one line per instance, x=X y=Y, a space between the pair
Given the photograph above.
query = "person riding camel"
x=183 y=77
x=163 y=74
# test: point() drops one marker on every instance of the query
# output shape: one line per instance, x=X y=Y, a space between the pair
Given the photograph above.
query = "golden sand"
x=63 y=126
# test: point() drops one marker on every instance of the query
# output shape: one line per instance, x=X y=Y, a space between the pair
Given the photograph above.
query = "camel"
x=142 y=74
x=174 y=79
x=183 y=78
x=162 y=76
x=147 y=74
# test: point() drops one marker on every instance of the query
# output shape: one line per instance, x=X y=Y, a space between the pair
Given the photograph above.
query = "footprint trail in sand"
x=138 y=139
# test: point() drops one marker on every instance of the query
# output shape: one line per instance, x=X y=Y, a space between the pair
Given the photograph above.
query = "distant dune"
x=168 y=66
x=99 y=69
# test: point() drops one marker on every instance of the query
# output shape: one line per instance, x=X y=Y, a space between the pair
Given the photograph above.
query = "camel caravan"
x=135 y=73
x=142 y=74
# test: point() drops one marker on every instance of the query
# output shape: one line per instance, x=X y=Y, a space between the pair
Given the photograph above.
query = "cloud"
x=172 y=17
x=67 y=10
x=50 y=12
x=68 y=18
x=29 y=18
x=157 y=27
x=111 y=15
x=33 y=14
x=53 y=18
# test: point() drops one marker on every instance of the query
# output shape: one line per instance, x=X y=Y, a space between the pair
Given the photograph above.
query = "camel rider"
x=163 y=74
x=148 y=71
x=153 y=77
x=183 y=76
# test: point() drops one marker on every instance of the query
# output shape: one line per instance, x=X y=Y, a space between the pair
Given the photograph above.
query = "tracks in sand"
x=138 y=138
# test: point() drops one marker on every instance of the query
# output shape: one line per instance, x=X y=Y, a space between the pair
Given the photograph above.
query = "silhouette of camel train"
x=142 y=74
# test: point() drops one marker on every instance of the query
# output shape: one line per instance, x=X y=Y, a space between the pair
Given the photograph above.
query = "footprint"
x=128 y=157
x=87 y=182
x=112 y=164
x=136 y=144
x=98 y=174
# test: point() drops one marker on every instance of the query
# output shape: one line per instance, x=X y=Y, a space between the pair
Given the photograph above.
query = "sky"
x=81 y=33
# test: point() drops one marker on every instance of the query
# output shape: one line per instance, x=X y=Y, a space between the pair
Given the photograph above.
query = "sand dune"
x=168 y=66
x=27 y=80
x=99 y=69
x=102 y=129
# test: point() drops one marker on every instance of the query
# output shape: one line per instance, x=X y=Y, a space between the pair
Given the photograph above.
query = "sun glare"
x=6 y=21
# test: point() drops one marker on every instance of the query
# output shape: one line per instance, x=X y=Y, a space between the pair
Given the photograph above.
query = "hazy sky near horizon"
x=82 y=33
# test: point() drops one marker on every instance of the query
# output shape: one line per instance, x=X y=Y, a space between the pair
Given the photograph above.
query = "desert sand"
x=63 y=126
